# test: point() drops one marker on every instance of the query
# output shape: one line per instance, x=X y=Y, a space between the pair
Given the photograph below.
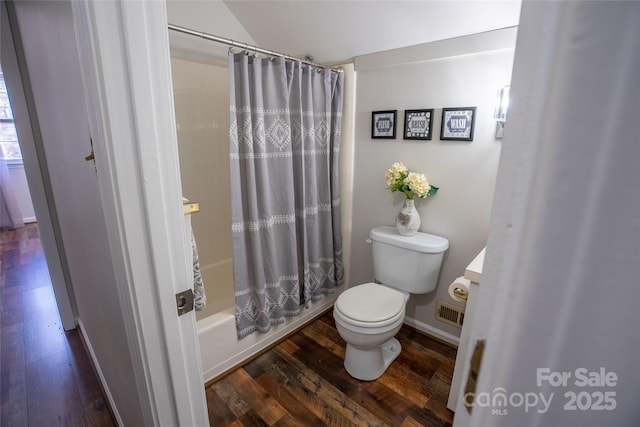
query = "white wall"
x=18 y=182
x=47 y=33
x=429 y=76
x=212 y=17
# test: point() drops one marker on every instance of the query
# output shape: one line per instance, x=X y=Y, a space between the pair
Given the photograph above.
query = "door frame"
x=124 y=52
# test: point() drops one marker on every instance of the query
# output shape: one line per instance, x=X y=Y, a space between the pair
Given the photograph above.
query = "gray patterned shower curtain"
x=284 y=142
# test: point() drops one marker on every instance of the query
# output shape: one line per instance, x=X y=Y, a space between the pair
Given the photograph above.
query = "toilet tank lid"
x=420 y=242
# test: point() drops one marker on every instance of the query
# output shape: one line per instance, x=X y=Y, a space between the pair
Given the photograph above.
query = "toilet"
x=369 y=315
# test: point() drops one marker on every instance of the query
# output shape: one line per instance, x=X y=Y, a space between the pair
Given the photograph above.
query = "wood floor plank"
x=289 y=346
x=13 y=379
x=46 y=377
x=440 y=410
x=405 y=382
x=14 y=411
x=310 y=389
x=33 y=233
x=439 y=385
x=420 y=363
x=260 y=401
x=97 y=414
x=87 y=383
x=410 y=422
x=294 y=407
x=421 y=344
x=237 y=405
x=400 y=378
x=273 y=365
x=373 y=396
x=306 y=376
x=338 y=404
x=289 y=421
x=426 y=417
x=43 y=333
x=388 y=405
x=53 y=373
x=326 y=336
x=219 y=412
x=252 y=419
x=301 y=382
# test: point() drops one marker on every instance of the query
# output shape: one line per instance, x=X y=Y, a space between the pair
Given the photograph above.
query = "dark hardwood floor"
x=302 y=382
x=46 y=377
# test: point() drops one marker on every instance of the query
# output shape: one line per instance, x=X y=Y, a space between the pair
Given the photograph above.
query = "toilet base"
x=368 y=364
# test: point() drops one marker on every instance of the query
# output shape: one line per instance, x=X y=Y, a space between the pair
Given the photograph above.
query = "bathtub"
x=221 y=350
x=218 y=283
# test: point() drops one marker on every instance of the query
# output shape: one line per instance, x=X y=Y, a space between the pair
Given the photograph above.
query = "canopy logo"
x=593 y=393
x=499 y=401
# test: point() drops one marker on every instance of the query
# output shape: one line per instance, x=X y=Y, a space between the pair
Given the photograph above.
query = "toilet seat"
x=371 y=305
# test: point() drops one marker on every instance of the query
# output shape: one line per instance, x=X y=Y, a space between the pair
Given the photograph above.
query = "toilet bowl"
x=369 y=315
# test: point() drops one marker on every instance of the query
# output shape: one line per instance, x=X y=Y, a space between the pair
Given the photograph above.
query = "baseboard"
x=103 y=384
x=434 y=332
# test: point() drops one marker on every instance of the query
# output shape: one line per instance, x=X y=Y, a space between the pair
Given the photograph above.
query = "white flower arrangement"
x=412 y=184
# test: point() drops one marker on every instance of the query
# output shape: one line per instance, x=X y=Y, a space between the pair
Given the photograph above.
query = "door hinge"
x=184 y=301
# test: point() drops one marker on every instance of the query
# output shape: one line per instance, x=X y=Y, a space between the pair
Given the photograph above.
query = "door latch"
x=184 y=301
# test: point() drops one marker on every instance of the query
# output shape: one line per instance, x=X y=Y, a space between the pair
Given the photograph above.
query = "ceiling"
x=336 y=31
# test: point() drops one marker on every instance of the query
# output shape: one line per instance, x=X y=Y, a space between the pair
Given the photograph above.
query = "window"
x=8 y=136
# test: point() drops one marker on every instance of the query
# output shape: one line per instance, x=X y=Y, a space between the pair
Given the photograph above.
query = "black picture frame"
x=418 y=124
x=383 y=124
x=458 y=124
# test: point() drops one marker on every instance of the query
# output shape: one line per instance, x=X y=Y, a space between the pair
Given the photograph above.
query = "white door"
x=558 y=300
x=124 y=51
x=38 y=184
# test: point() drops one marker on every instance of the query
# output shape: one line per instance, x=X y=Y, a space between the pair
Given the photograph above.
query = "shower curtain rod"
x=246 y=46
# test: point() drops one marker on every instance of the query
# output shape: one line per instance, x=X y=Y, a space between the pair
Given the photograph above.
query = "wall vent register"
x=449 y=314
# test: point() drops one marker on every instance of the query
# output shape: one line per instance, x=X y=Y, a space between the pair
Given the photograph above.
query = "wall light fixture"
x=500 y=111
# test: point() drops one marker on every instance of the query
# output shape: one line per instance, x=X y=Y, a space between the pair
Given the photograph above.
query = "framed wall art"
x=383 y=124
x=458 y=123
x=418 y=124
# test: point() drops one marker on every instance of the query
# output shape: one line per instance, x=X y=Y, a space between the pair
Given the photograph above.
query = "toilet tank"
x=410 y=264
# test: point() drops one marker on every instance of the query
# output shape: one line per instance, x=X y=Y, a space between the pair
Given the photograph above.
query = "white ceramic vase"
x=408 y=219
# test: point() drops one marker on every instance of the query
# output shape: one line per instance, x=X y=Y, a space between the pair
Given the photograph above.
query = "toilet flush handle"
x=368 y=241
